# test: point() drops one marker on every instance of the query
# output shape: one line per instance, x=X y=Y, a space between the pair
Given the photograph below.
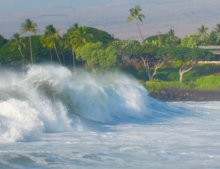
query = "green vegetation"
x=51 y=39
x=162 y=40
x=29 y=26
x=185 y=58
x=97 y=56
x=207 y=82
x=163 y=60
x=154 y=87
x=99 y=36
x=203 y=83
x=16 y=42
x=2 y=41
x=11 y=58
x=147 y=53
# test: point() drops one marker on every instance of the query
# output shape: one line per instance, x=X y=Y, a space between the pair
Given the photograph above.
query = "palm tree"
x=202 y=31
x=217 y=29
x=171 y=32
x=70 y=44
x=81 y=37
x=52 y=38
x=74 y=27
x=170 y=38
x=16 y=42
x=47 y=43
x=75 y=37
x=159 y=38
x=29 y=26
x=135 y=13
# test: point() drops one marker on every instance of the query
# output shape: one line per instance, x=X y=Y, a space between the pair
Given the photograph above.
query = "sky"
x=12 y=6
x=184 y=16
x=8 y=6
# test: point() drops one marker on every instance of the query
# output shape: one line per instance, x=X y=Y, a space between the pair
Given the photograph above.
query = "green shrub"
x=208 y=82
x=154 y=87
x=130 y=69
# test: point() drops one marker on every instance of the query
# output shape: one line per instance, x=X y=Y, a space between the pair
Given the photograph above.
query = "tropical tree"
x=69 y=40
x=153 y=42
x=217 y=29
x=99 y=36
x=51 y=38
x=97 y=56
x=172 y=40
x=80 y=38
x=168 y=39
x=135 y=13
x=210 y=39
x=29 y=26
x=74 y=27
x=171 y=33
x=2 y=41
x=159 y=38
x=147 y=53
x=122 y=46
x=202 y=31
x=46 y=42
x=16 y=42
x=69 y=43
x=171 y=36
x=191 y=41
x=185 y=58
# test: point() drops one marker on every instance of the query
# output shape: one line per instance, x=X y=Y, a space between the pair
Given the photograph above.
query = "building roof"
x=209 y=47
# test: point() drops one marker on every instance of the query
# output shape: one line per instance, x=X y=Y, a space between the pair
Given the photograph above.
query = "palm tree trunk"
x=57 y=54
x=74 y=69
x=30 y=47
x=62 y=56
x=139 y=29
x=51 y=57
x=22 y=60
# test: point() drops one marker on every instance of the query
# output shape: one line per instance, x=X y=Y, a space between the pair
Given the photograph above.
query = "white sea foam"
x=105 y=122
x=40 y=101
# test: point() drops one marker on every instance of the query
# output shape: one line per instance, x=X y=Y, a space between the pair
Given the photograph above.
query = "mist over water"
x=51 y=118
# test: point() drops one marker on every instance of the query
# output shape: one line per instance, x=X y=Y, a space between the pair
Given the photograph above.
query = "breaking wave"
x=50 y=99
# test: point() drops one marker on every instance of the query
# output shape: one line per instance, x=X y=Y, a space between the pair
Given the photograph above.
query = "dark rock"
x=177 y=94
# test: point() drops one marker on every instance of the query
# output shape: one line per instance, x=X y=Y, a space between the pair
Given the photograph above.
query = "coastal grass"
x=208 y=83
x=203 y=83
x=155 y=87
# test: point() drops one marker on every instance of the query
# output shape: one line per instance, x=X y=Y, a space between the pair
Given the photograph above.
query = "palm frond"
x=130 y=18
x=132 y=11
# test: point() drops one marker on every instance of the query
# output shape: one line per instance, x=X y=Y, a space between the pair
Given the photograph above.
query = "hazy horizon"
x=183 y=16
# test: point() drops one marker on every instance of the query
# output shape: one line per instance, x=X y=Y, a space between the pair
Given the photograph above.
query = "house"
x=215 y=50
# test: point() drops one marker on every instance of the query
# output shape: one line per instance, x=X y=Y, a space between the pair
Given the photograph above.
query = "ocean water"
x=51 y=118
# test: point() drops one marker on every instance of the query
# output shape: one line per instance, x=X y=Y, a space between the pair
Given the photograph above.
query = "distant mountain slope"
x=183 y=16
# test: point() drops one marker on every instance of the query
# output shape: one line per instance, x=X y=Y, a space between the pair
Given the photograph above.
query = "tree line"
x=105 y=53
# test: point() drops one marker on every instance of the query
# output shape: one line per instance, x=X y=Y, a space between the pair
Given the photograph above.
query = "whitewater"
x=53 y=118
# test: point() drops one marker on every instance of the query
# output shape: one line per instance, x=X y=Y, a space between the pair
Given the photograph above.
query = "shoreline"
x=178 y=94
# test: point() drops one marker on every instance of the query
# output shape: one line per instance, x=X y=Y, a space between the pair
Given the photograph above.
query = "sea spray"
x=48 y=99
x=50 y=118
x=24 y=116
